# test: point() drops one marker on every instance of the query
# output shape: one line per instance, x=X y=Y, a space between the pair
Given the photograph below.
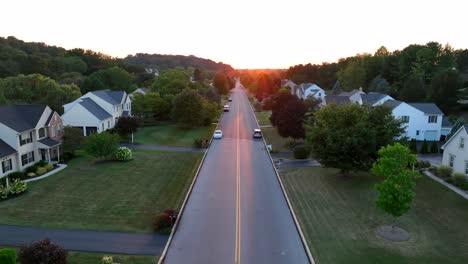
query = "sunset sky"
x=243 y=33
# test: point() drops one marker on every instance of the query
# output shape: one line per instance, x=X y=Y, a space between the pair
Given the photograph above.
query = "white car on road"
x=226 y=108
x=218 y=134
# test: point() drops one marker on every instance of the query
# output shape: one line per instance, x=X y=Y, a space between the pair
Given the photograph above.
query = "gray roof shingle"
x=5 y=149
x=337 y=99
x=94 y=109
x=21 y=117
x=392 y=103
x=112 y=97
x=49 y=142
x=427 y=108
x=372 y=98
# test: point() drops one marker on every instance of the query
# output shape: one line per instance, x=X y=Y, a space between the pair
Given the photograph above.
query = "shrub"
x=422 y=164
x=124 y=154
x=32 y=168
x=17 y=187
x=7 y=256
x=16 y=175
x=42 y=163
x=43 y=251
x=424 y=148
x=31 y=174
x=257 y=106
x=49 y=167
x=413 y=146
x=3 y=192
x=434 y=147
x=164 y=221
x=458 y=179
x=198 y=142
x=67 y=156
x=444 y=171
x=41 y=170
x=107 y=260
x=301 y=152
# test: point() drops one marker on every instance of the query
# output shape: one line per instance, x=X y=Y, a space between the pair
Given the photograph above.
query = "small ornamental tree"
x=43 y=252
x=424 y=148
x=434 y=147
x=72 y=139
x=103 y=145
x=396 y=191
x=126 y=126
x=413 y=146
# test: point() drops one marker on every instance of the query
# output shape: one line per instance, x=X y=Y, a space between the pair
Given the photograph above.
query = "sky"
x=243 y=33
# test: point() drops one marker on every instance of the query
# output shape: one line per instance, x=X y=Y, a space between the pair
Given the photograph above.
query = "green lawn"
x=263 y=118
x=120 y=196
x=280 y=144
x=75 y=257
x=338 y=217
x=171 y=135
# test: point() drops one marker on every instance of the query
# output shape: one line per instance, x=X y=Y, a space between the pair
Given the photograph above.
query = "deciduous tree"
x=102 y=145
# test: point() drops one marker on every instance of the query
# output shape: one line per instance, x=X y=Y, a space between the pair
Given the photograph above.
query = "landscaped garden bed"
x=445 y=173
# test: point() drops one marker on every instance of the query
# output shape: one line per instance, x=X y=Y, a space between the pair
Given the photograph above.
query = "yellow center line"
x=238 y=210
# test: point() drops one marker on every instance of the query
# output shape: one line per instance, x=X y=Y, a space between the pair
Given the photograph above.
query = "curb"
x=291 y=210
x=176 y=224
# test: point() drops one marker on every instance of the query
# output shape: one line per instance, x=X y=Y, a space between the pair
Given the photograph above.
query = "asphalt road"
x=237 y=212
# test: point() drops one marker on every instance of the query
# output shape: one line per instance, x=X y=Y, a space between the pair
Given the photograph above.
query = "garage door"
x=431 y=135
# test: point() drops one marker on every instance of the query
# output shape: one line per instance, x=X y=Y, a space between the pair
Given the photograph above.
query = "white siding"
x=78 y=116
x=14 y=163
x=452 y=147
x=418 y=121
x=9 y=136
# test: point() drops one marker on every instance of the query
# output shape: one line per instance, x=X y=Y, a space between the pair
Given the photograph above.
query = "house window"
x=466 y=167
x=27 y=158
x=405 y=119
x=462 y=143
x=451 y=160
x=52 y=131
x=417 y=132
x=42 y=132
x=432 y=119
x=7 y=165
x=25 y=138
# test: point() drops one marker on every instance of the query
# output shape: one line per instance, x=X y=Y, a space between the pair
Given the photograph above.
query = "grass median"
x=172 y=135
x=338 y=217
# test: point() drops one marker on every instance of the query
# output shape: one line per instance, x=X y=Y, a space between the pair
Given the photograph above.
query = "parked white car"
x=226 y=108
x=218 y=134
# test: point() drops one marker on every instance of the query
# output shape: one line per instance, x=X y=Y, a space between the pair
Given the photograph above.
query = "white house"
x=455 y=151
x=97 y=111
x=423 y=121
x=308 y=90
x=28 y=133
x=354 y=96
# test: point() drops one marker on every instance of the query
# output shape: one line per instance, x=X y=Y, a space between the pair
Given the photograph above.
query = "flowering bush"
x=3 y=192
x=31 y=174
x=107 y=260
x=124 y=154
x=41 y=170
x=164 y=221
x=17 y=187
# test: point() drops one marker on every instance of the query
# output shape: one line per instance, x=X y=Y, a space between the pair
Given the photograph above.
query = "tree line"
x=431 y=72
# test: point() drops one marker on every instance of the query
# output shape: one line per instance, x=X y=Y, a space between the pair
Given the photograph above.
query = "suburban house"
x=354 y=96
x=308 y=90
x=455 y=151
x=28 y=133
x=142 y=91
x=423 y=121
x=97 y=111
x=336 y=99
x=375 y=99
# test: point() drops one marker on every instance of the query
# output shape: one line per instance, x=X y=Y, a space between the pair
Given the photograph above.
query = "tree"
x=353 y=76
x=187 y=108
x=37 y=89
x=171 y=82
x=198 y=75
x=396 y=192
x=221 y=83
x=151 y=106
x=114 y=78
x=424 y=148
x=278 y=101
x=444 y=88
x=126 y=126
x=414 y=89
x=102 y=145
x=290 y=119
x=434 y=147
x=348 y=136
x=72 y=139
x=380 y=85
x=337 y=89
x=43 y=251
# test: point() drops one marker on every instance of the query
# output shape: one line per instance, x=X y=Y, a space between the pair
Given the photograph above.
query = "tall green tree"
x=396 y=191
x=414 y=89
x=444 y=88
x=221 y=83
x=348 y=136
x=187 y=108
x=113 y=78
x=353 y=76
x=73 y=139
x=290 y=119
x=102 y=145
x=151 y=107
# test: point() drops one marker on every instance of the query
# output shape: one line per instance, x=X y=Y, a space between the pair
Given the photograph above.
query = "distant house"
x=308 y=90
x=375 y=99
x=28 y=133
x=423 y=121
x=354 y=96
x=97 y=111
x=336 y=99
x=446 y=128
x=141 y=91
x=288 y=84
x=455 y=151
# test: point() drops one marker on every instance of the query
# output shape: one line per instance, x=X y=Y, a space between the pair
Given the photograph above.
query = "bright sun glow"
x=243 y=33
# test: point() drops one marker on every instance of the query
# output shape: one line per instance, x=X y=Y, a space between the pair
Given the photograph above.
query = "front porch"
x=49 y=150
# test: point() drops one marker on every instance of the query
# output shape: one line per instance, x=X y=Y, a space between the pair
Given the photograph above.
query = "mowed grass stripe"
x=339 y=217
x=106 y=195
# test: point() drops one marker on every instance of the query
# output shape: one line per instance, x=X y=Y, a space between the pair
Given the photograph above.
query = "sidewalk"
x=164 y=148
